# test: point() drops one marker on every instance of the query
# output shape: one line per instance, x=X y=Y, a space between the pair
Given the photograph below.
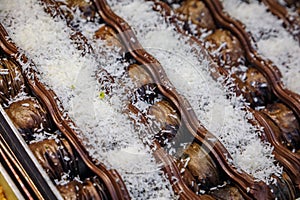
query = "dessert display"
x=250 y=80
x=255 y=85
x=56 y=148
x=196 y=119
x=123 y=138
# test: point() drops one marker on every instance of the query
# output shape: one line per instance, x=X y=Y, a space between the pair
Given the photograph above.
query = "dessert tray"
x=138 y=99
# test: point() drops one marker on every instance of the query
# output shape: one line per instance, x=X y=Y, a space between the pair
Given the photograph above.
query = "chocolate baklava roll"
x=286 y=122
x=29 y=117
x=225 y=49
x=89 y=189
x=56 y=157
x=227 y=192
x=11 y=80
x=255 y=87
x=196 y=17
x=198 y=168
x=167 y=121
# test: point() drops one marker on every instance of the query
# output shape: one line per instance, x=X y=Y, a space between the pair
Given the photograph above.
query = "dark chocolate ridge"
x=292 y=23
x=111 y=178
x=266 y=67
x=281 y=153
x=243 y=180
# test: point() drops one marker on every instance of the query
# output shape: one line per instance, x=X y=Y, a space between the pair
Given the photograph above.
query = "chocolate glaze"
x=89 y=189
x=287 y=123
x=227 y=192
x=284 y=186
x=196 y=12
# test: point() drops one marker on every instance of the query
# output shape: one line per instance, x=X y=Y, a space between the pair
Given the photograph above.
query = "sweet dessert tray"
x=138 y=99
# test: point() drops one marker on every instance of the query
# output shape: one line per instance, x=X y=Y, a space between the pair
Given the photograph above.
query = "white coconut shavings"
x=190 y=75
x=273 y=41
x=108 y=135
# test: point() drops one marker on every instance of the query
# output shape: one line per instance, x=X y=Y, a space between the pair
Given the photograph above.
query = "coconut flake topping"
x=273 y=41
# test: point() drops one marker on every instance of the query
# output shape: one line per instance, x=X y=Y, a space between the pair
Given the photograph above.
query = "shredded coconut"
x=273 y=41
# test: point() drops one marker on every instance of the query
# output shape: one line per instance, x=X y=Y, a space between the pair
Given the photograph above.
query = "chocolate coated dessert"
x=225 y=48
x=29 y=117
x=168 y=119
x=110 y=37
x=227 y=192
x=139 y=75
x=196 y=12
x=89 y=189
x=11 y=80
x=200 y=166
x=56 y=157
x=287 y=123
x=255 y=87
